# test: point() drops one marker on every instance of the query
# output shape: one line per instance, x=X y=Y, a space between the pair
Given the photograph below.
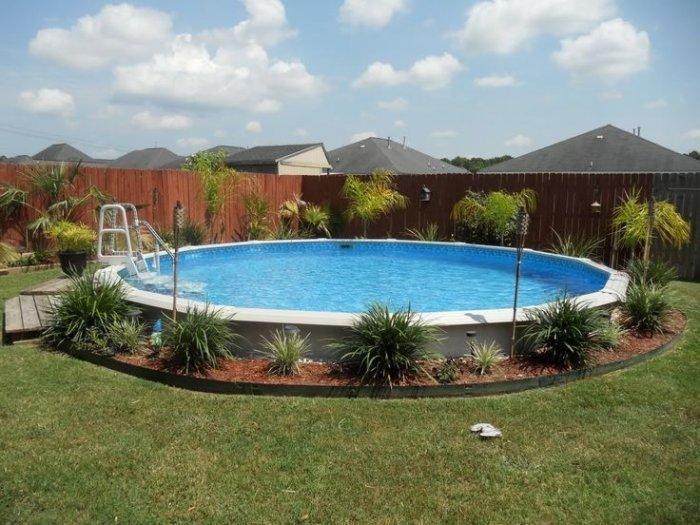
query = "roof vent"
x=362 y=145
x=600 y=137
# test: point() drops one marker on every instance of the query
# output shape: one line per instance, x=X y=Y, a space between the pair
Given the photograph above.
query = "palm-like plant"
x=575 y=245
x=316 y=220
x=636 y=226
x=371 y=198
x=430 y=233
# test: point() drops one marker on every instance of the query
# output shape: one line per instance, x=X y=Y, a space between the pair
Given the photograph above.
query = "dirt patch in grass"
x=329 y=374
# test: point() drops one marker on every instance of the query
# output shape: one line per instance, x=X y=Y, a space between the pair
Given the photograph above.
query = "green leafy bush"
x=485 y=356
x=126 y=336
x=199 y=339
x=385 y=347
x=447 y=372
x=575 y=245
x=657 y=273
x=72 y=237
x=564 y=332
x=85 y=311
x=285 y=350
x=645 y=308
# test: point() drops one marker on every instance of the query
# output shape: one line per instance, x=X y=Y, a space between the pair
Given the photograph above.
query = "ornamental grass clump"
x=199 y=339
x=658 y=273
x=646 y=308
x=485 y=356
x=84 y=312
x=564 y=332
x=285 y=350
x=386 y=347
x=575 y=245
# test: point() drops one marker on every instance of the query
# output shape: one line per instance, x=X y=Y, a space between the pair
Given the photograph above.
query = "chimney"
x=639 y=131
x=388 y=143
x=404 y=142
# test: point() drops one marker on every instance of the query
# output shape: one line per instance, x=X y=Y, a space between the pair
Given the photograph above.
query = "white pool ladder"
x=132 y=257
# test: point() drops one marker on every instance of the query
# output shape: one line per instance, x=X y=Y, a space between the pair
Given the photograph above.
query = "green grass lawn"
x=79 y=443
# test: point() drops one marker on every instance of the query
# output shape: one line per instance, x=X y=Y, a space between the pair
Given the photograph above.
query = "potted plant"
x=75 y=242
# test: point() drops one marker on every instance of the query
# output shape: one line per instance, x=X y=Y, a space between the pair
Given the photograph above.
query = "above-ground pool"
x=320 y=284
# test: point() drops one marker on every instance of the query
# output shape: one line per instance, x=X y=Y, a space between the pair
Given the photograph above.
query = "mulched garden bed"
x=329 y=374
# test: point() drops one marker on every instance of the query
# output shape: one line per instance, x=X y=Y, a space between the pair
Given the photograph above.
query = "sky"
x=469 y=78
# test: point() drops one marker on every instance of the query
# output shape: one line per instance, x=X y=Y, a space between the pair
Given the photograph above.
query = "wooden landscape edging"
x=214 y=386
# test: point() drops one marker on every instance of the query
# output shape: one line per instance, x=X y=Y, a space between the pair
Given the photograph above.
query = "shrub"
x=199 y=339
x=448 y=372
x=285 y=350
x=575 y=246
x=385 y=347
x=485 y=356
x=126 y=335
x=645 y=308
x=658 y=273
x=610 y=334
x=192 y=233
x=72 y=237
x=8 y=254
x=430 y=233
x=564 y=332
x=85 y=311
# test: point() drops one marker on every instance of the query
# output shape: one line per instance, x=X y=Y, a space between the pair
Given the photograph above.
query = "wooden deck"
x=27 y=314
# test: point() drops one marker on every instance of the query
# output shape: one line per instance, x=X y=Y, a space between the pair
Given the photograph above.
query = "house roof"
x=230 y=150
x=268 y=154
x=149 y=158
x=606 y=149
x=62 y=153
x=373 y=153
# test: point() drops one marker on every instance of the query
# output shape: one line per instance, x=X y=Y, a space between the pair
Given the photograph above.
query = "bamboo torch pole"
x=178 y=221
x=522 y=221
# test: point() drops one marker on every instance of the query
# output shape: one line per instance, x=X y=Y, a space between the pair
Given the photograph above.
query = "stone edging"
x=397 y=392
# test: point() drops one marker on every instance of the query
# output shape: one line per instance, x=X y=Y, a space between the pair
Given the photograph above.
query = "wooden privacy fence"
x=564 y=199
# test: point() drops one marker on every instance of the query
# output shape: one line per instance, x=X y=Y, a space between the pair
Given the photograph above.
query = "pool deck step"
x=26 y=315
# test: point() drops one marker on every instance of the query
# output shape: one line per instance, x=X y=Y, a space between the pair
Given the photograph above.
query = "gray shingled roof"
x=149 y=158
x=62 y=153
x=605 y=149
x=231 y=150
x=367 y=155
x=267 y=154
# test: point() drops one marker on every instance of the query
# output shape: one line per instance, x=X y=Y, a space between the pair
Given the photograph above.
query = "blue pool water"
x=347 y=276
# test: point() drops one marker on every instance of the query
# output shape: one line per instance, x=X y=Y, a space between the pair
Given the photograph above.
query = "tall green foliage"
x=312 y=220
x=257 y=221
x=372 y=197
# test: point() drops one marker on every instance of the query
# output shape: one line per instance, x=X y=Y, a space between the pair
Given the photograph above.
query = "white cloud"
x=495 y=81
x=656 y=104
x=397 y=104
x=193 y=143
x=362 y=135
x=253 y=127
x=693 y=134
x=611 y=52
x=47 y=101
x=300 y=132
x=371 y=13
x=612 y=94
x=148 y=120
x=399 y=123
x=519 y=141
x=505 y=26
x=431 y=72
x=443 y=134
x=117 y=34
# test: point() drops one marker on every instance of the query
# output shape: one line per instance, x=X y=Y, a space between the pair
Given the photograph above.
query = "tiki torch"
x=521 y=223
x=178 y=222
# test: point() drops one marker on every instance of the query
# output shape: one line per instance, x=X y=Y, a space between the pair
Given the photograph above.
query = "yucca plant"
x=285 y=350
x=564 y=332
x=257 y=222
x=658 y=273
x=645 y=308
x=385 y=347
x=610 y=334
x=86 y=308
x=126 y=335
x=485 y=356
x=575 y=245
x=372 y=197
x=192 y=233
x=316 y=220
x=8 y=254
x=431 y=232
x=199 y=339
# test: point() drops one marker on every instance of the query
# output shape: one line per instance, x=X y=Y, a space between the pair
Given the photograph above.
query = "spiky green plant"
x=431 y=232
x=564 y=332
x=575 y=245
x=634 y=227
x=126 y=336
x=610 y=334
x=645 y=308
x=658 y=273
x=8 y=254
x=257 y=221
x=485 y=356
x=316 y=220
x=285 y=350
x=372 y=197
x=199 y=339
x=192 y=233
x=88 y=307
x=385 y=347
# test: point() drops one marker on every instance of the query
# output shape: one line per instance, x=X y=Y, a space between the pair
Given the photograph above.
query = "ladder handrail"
x=158 y=238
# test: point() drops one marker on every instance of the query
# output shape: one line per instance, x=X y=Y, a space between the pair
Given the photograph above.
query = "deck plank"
x=13 y=316
x=30 y=316
x=51 y=287
x=42 y=303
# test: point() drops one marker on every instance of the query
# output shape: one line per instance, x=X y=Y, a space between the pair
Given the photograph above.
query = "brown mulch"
x=328 y=374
